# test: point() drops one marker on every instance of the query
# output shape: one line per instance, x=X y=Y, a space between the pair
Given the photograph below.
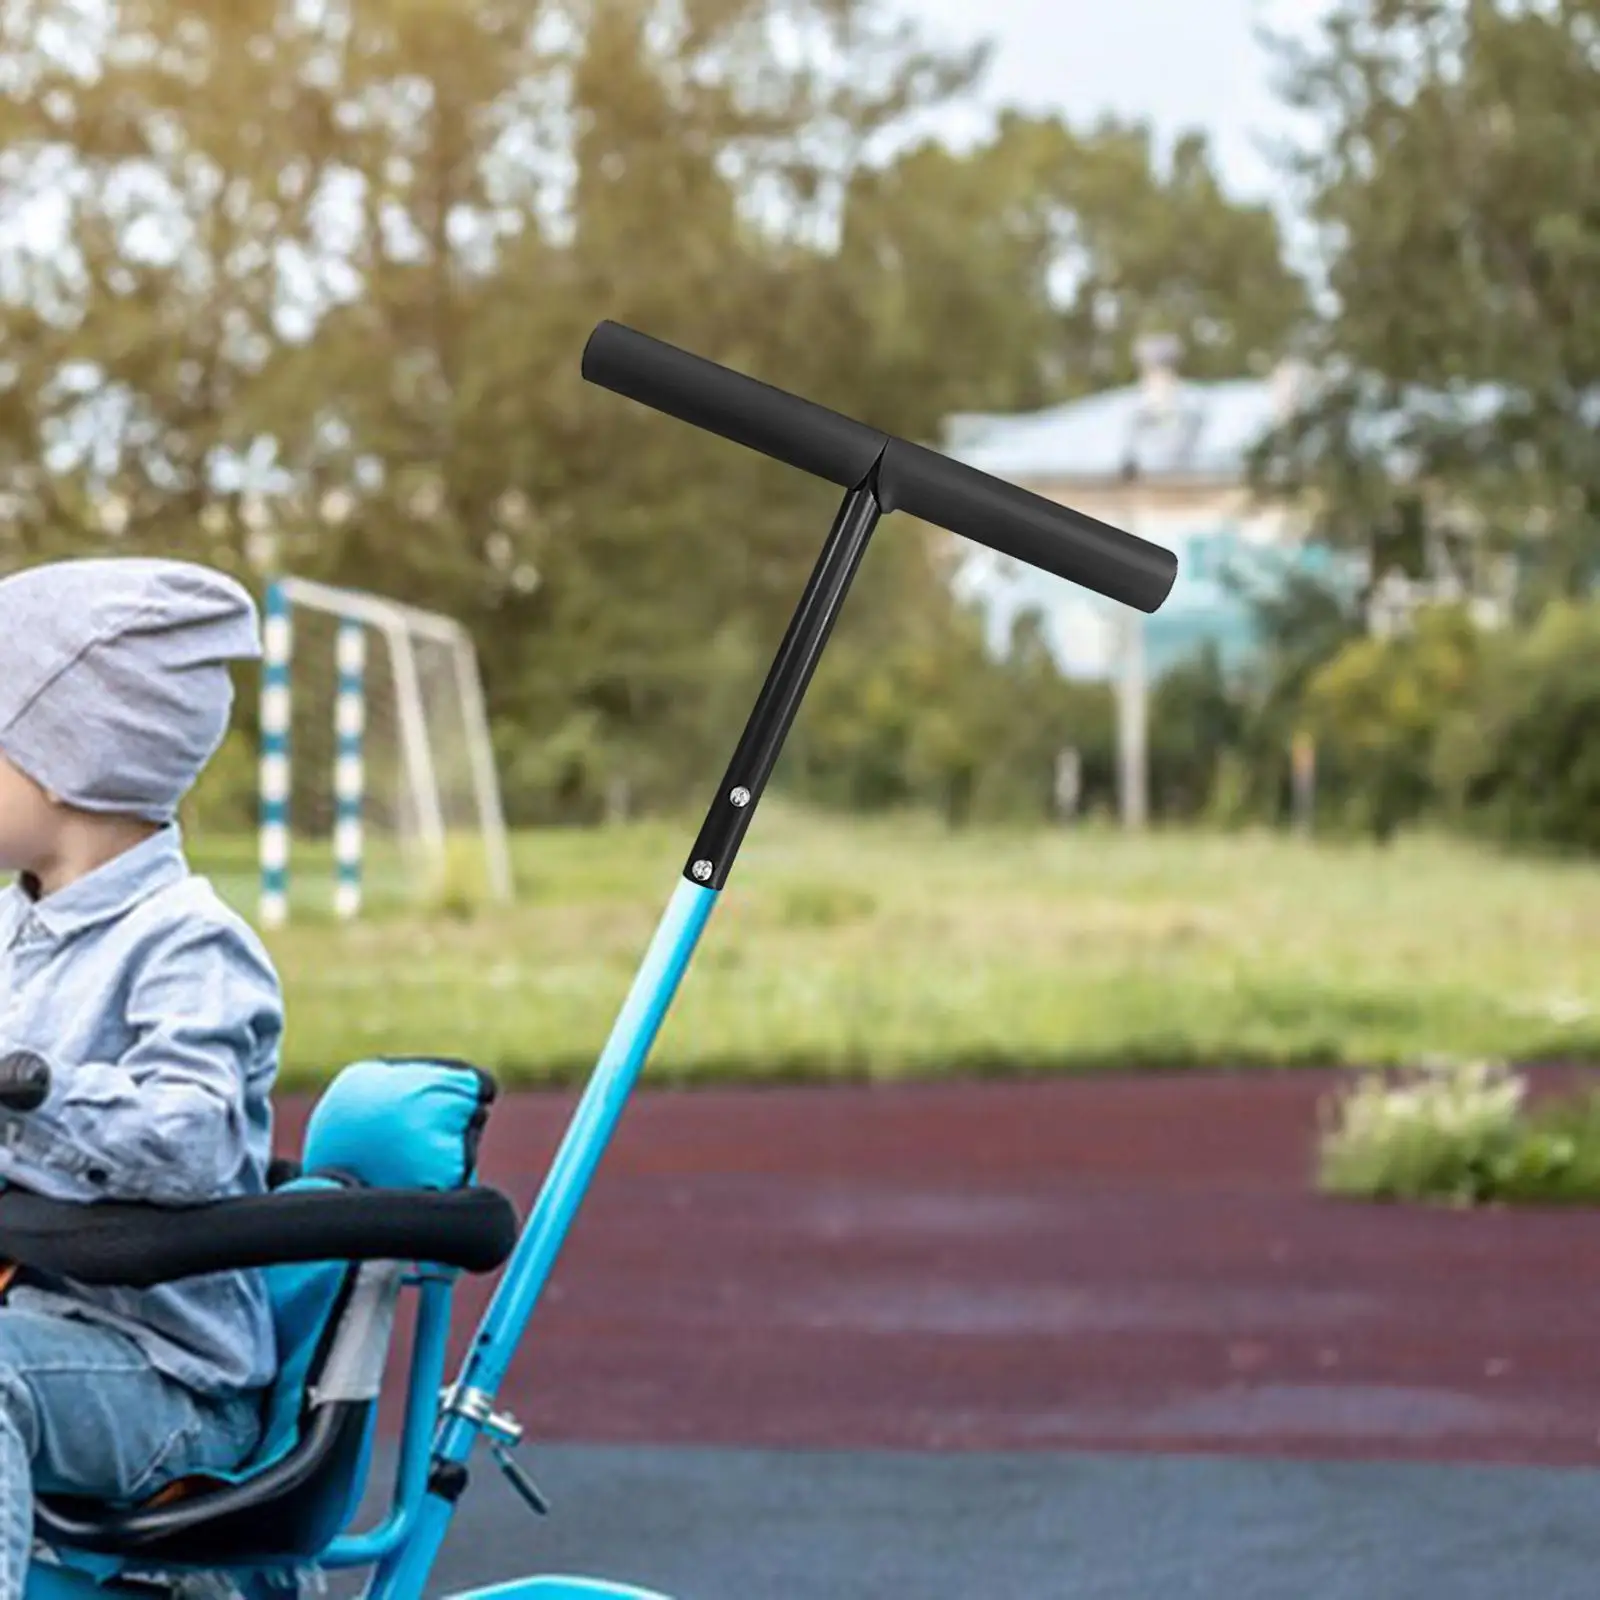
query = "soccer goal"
x=378 y=779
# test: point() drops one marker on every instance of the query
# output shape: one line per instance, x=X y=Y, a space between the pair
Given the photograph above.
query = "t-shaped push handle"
x=907 y=477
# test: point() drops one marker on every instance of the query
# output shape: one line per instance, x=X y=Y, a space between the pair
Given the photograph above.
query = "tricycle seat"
x=388 y=1179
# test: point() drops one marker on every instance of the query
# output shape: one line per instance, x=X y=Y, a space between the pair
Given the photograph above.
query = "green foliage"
x=824 y=905
x=1556 y=1160
x=1459 y=1135
x=926 y=715
x=956 y=258
x=1440 y=722
x=367 y=242
x=461 y=889
x=895 y=946
x=1197 y=717
x=1301 y=622
x=1452 y=184
x=1229 y=801
x=1379 y=707
x=1523 y=760
x=1443 y=1130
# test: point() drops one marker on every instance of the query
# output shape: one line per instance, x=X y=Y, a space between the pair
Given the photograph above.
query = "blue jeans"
x=83 y=1412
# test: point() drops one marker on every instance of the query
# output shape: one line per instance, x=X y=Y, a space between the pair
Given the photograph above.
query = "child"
x=158 y=1012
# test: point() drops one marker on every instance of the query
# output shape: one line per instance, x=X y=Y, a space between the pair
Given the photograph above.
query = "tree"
x=1025 y=270
x=1197 y=716
x=1522 y=760
x=384 y=232
x=1456 y=196
x=1301 y=623
x=161 y=166
x=673 y=558
x=1381 y=704
x=327 y=272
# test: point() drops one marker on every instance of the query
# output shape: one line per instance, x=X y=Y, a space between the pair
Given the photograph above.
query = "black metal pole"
x=774 y=712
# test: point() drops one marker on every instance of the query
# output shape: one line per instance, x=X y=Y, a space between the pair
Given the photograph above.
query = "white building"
x=1166 y=459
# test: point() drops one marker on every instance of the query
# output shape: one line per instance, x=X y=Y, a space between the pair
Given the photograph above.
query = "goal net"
x=378 y=781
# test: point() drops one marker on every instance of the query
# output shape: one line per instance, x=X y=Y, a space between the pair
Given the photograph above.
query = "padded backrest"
x=390 y=1124
x=304 y=1298
x=401 y=1123
x=386 y=1123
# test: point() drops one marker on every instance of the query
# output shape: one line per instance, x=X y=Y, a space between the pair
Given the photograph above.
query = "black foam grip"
x=745 y=410
x=910 y=478
x=134 y=1245
x=1018 y=523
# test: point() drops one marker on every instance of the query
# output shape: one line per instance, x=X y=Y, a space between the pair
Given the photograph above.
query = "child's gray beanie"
x=114 y=686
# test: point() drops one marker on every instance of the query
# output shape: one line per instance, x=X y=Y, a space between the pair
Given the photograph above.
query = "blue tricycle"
x=384 y=1204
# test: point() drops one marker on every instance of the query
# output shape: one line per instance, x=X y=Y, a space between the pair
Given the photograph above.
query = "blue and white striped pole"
x=277 y=650
x=348 y=787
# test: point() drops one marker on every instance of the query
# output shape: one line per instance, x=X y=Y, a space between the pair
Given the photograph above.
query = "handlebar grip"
x=1025 y=526
x=910 y=478
x=797 y=432
x=24 y=1081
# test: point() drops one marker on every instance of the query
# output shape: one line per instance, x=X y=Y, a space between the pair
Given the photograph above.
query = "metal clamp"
x=477 y=1406
x=505 y=1434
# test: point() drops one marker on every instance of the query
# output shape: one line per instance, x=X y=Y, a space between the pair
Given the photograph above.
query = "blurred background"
x=1308 y=293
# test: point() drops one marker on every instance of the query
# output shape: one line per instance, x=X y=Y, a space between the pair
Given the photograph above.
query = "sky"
x=1180 y=64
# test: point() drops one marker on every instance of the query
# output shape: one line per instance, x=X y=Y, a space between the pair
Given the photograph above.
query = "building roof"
x=1203 y=433
x=1207 y=433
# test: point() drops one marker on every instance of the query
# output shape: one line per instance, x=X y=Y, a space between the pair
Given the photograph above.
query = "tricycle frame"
x=401 y=1574
x=878 y=473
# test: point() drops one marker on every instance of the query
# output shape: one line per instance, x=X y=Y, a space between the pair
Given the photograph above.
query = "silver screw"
x=701 y=870
x=740 y=797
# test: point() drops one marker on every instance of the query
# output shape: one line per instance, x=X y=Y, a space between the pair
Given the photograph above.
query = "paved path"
x=1080 y=1340
x=744 y=1525
x=1123 y=1265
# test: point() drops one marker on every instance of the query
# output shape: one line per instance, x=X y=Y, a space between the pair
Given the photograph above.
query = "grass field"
x=893 y=949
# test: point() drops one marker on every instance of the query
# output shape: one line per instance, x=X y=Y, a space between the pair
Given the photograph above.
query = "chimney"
x=1157 y=355
x=1287 y=383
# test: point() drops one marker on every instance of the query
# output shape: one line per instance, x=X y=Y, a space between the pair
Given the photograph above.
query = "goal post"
x=374 y=744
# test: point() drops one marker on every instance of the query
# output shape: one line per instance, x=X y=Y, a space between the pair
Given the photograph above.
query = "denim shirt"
x=160 y=1015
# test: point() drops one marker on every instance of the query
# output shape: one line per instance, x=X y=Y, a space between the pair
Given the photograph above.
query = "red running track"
x=1126 y=1264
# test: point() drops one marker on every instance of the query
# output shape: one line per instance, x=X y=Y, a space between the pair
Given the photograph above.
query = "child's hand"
x=24 y=1081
